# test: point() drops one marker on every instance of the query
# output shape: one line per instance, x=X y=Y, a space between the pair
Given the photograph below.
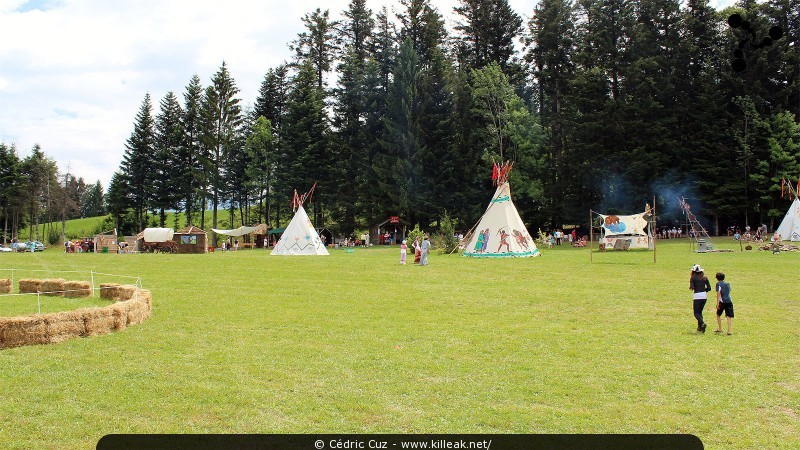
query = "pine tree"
x=137 y=162
x=190 y=171
x=93 y=201
x=317 y=45
x=169 y=142
x=221 y=119
x=487 y=33
x=11 y=183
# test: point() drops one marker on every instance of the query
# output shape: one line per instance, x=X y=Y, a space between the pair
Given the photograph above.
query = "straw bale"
x=53 y=287
x=125 y=292
x=137 y=312
x=23 y=330
x=64 y=325
x=98 y=320
x=29 y=286
x=119 y=313
x=75 y=289
x=5 y=285
x=146 y=296
x=108 y=290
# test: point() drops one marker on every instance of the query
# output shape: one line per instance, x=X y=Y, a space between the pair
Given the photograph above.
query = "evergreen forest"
x=601 y=105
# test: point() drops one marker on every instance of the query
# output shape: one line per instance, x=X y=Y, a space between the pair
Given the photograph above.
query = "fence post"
x=92 y=273
x=39 y=302
x=12 y=280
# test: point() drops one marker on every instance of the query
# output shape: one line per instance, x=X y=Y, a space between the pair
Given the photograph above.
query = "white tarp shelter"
x=624 y=232
x=241 y=231
x=300 y=237
x=501 y=233
x=157 y=234
x=789 y=229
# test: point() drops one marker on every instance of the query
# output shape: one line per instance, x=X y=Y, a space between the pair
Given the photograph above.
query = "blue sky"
x=73 y=73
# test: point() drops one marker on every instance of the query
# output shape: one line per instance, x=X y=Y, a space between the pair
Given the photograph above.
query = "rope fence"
x=67 y=293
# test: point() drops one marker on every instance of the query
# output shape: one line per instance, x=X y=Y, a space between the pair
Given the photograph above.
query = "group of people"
x=226 y=246
x=558 y=236
x=78 y=246
x=700 y=287
x=421 y=250
x=670 y=233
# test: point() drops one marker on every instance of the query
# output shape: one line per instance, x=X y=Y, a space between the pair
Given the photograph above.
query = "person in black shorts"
x=724 y=302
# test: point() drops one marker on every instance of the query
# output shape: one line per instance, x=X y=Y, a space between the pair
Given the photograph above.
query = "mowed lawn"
x=251 y=343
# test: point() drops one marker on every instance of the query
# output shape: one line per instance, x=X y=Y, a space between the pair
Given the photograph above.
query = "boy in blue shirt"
x=724 y=302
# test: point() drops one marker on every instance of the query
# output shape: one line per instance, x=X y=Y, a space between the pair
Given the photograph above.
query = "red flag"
x=495 y=172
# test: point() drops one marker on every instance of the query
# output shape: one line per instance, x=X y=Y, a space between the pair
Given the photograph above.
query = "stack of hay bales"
x=133 y=306
x=64 y=325
x=75 y=289
x=53 y=287
x=29 y=286
x=108 y=291
x=19 y=331
x=5 y=285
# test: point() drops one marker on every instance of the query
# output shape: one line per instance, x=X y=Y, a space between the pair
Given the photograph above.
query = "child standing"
x=724 y=302
x=403 y=251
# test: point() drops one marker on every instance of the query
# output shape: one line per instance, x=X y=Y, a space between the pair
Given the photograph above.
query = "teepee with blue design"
x=500 y=233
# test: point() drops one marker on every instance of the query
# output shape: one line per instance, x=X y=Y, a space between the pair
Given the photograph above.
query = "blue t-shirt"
x=724 y=288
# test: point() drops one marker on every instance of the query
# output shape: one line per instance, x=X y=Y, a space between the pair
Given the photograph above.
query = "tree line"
x=33 y=192
x=600 y=104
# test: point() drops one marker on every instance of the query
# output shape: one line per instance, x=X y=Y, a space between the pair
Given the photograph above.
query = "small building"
x=106 y=242
x=390 y=231
x=191 y=240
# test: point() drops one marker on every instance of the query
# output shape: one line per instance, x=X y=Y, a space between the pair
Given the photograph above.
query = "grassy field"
x=248 y=343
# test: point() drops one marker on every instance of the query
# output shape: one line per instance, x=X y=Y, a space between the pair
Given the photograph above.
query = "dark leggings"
x=698 y=311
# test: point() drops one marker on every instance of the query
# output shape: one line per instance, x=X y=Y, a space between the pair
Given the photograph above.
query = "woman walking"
x=700 y=286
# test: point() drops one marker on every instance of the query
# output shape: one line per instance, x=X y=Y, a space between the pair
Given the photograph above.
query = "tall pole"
x=653 y=231
x=591 y=235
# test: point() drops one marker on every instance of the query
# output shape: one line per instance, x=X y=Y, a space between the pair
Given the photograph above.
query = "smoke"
x=669 y=190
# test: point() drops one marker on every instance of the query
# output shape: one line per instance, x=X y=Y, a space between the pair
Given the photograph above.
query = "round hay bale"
x=75 y=289
x=64 y=325
x=53 y=287
x=108 y=291
x=98 y=320
x=29 y=286
x=5 y=285
x=24 y=330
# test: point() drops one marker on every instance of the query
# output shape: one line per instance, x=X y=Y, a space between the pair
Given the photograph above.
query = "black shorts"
x=727 y=307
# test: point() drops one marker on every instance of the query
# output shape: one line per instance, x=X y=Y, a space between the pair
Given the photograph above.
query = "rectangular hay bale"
x=98 y=320
x=5 y=285
x=23 y=330
x=108 y=291
x=64 y=325
x=119 y=313
x=137 y=312
x=75 y=289
x=125 y=292
x=30 y=286
x=53 y=287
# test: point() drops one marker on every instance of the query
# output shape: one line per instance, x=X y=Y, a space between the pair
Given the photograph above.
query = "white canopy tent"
x=241 y=231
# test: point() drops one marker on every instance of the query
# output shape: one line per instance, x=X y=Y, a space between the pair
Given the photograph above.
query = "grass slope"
x=354 y=342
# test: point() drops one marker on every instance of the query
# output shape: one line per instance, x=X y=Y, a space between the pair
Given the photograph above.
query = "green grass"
x=354 y=342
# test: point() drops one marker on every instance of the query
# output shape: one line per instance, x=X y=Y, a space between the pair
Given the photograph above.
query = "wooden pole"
x=654 y=231
x=591 y=235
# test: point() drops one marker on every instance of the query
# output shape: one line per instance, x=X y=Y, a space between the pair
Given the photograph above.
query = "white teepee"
x=300 y=237
x=789 y=229
x=500 y=232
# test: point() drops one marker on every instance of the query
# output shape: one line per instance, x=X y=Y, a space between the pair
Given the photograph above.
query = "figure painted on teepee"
x=300 y=237
x=501 y=216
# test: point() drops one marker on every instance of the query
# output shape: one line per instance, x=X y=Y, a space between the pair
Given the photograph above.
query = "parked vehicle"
x=4 y=249
x=19 y=246
x=37 y=246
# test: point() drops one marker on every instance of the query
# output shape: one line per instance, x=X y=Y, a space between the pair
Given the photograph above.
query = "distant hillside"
x=89 y=226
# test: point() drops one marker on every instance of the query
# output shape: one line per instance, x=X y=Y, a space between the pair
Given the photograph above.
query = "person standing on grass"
x=425 y=249
x=698 y=283
x=403 y=251
x=417 y=250
x=724 y=302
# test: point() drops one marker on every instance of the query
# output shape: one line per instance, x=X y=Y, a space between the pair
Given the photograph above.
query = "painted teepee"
x=300 y=237
x=500 y=233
